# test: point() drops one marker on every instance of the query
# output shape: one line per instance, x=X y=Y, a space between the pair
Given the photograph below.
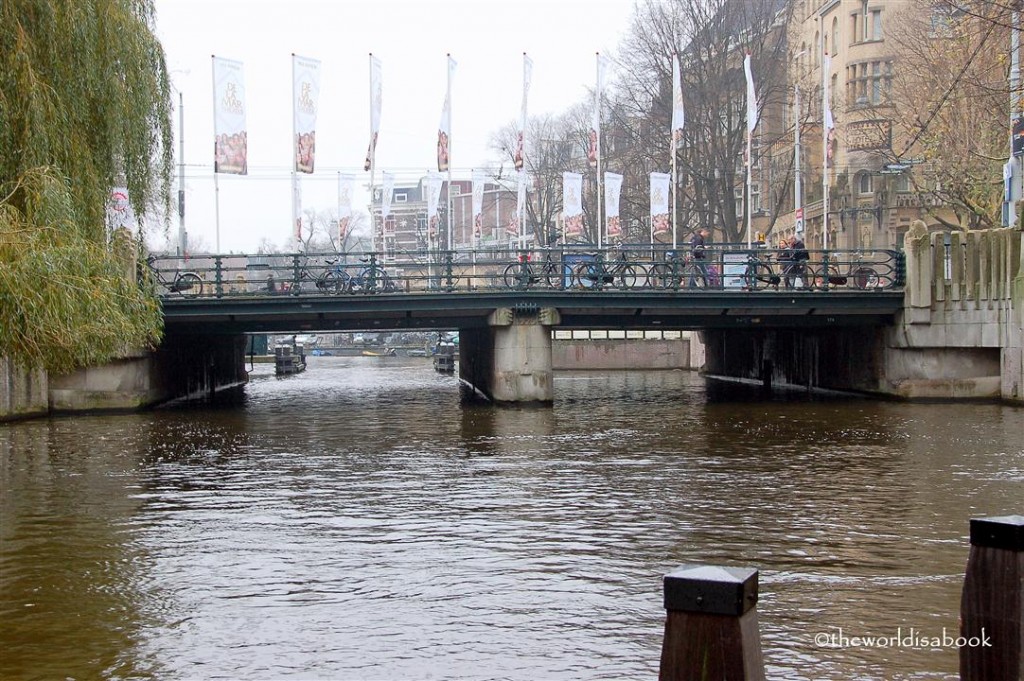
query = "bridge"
x=948 y=325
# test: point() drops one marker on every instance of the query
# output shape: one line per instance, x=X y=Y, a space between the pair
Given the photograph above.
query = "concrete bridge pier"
x=510 y=359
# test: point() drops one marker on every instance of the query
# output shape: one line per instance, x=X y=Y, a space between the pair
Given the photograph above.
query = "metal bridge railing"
x=570 y=268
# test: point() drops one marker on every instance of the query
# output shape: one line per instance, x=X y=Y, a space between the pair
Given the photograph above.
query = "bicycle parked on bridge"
x=855 y=274
x=676 y=273
x=187 y=284
x=524 y=273
x=620 y=273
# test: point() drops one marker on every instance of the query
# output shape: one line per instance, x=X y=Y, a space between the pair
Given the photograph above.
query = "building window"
x=868 y=83
x=902 y=183
x=864 y=183
x=456 y=190
x=401 y=197
x=835 y=35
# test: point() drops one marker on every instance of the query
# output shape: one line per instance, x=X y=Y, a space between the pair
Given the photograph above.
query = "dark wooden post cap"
x=711 y=589
x=1003 y=532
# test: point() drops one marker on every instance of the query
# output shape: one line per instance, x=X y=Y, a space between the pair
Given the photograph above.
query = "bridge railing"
x=650 y=267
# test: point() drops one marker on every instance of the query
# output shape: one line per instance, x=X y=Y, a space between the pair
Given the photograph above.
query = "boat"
x=386 y=352
x=444 y=358
x=289 y=358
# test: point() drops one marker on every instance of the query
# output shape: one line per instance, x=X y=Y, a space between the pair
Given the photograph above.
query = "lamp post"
x=182 y=234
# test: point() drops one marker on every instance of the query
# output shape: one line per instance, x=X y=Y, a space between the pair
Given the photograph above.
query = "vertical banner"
x=660 y=222
x=434 y=183
x=305 y=96
x=386 y=193
x=479 y=178
x=751 y=95
x=346 y=189
x=518 y=157
x=572 y=203
x=230 y=134
x=119 y=211
x=826 y=106
x=593 y=148
x=514 y=227
x=678 y=113
x=297 y=208
x=612 y=188
x=376 y=96
x=444 y=129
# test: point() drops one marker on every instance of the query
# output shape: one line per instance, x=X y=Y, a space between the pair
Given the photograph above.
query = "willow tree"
x=84 y=107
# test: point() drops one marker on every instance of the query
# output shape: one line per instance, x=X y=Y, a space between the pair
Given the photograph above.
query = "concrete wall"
x=616 y=354
x=960 y=333
x=22 y=391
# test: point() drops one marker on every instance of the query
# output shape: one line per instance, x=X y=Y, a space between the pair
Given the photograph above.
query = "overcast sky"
x=486 y=38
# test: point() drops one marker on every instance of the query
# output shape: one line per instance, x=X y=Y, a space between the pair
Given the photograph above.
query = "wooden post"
x=711 y=627
x=992 y=605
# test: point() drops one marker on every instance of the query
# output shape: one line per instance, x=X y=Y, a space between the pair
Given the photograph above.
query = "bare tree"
x=950 y=97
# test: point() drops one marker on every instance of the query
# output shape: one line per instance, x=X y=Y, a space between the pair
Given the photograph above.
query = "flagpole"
x=373 y=167
x=451 y=214
x=797 y=178
x=216 y=180
x=521 y=209
x=296 y=218
x=749 y=195
x=597 y=123
x=824 y=148
x=675 y=205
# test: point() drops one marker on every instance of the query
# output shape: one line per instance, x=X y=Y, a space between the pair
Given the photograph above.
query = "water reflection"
x=358 y=520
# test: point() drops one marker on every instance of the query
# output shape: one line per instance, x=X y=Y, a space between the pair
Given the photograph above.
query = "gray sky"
x=411 y=38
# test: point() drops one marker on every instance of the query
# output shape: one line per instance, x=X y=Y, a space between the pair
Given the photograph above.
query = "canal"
x=357 y=521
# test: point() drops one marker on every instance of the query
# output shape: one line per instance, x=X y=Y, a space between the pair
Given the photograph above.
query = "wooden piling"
x=992 y=604
x=711 y=629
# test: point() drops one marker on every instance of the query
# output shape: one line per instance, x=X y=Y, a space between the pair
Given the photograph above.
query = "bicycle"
x=759 y=273
x=371 y=279
x=188 y=284
x=858 y=275
x=675 y=272
x=597 y=274
x=522 y=274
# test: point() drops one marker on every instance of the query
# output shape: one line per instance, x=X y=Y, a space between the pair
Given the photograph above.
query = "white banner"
x=751 y=95
x=518 y=156
x=346 y=189
x=612 y=188
x=444 y=130
x=229 y=130
x=434 y=183
x=572 y=203
x=297 y=203
x=660 y=222
x=479 y=179
x=678 y=113
x=514 y=228
x=593 y=148
x=376 y=96
x=305 y=96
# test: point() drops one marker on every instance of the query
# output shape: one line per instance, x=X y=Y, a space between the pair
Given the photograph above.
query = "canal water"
x=358 y=522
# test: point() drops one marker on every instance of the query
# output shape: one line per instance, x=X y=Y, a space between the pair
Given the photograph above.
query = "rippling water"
x=358 y=522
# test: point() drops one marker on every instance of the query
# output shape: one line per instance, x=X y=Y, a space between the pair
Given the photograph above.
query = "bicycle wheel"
x=189 y=284
x=694 y=276
x=516 y=276
x=864 y=277
x=332 y=281
x=584 y=275
x=376 y=280
x=661 y=276
x=758 y=276
x=627 y=276
x=554 y=275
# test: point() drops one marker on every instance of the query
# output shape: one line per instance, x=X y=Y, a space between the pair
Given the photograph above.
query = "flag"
x=572 y=203
x=612 y=187
x=305 y=96
x=678 y=114
x=519 y=154
x=514 y=227
x=444 y=130
x=479 y=178
x=595 y=124
x=434 y=182
x=346 y=188
x=375 y=105
x=830 y=125
x=751 y=95
x=229 y=130
x=660 y=223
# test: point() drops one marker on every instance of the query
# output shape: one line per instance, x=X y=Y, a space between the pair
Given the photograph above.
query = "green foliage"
x=84 y=107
